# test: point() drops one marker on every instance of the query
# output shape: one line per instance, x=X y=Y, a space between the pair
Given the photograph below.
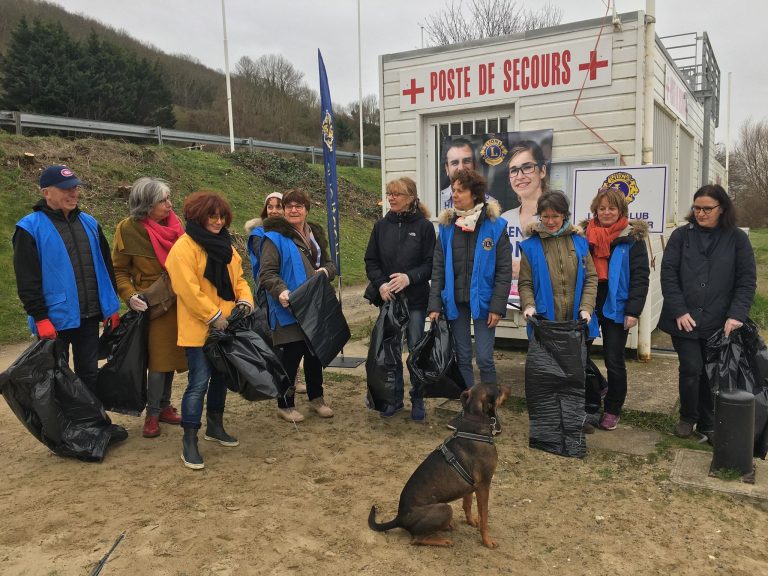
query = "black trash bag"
x=383 y=351
x=121 y=384
x=727 y=363
x=318 y=313
x=555 y=372
x=433 y=365
x=594 y=385
x=740 y=362
x=249 y=365
x=260 y=316
x=55 y=405
x=761 y=424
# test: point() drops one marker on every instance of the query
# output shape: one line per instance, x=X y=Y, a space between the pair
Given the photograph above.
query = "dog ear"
x=504 y=393
x=464 y=398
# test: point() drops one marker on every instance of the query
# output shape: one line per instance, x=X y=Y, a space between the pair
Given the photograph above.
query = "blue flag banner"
x=329 y=158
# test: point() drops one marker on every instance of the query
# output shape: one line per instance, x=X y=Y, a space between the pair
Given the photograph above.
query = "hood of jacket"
x=253 y=223
x=635 y=229
x=281 y=226
x=538 y=229
x=492 y=211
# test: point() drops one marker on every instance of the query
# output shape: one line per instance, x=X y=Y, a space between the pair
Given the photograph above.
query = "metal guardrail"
x=23 y=120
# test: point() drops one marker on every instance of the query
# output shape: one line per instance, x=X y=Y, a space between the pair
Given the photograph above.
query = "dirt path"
x=294 y=500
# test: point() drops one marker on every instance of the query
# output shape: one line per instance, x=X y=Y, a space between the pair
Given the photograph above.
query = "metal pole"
x=728 y=137
x=360 y=80
x=644 y=324
x=229 y=87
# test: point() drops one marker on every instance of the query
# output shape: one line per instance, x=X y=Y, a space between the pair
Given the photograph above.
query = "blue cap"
x=59 y=176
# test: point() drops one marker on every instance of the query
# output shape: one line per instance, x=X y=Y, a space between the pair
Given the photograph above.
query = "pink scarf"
x=163 y=236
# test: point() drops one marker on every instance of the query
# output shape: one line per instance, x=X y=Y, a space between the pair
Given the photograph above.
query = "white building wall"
x=609 y=110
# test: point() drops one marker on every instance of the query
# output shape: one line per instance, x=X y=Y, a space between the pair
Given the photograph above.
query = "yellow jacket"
x=198 y=302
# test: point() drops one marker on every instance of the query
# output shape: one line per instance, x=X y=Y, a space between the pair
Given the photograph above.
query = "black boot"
x=190 y=454
x=215 y=430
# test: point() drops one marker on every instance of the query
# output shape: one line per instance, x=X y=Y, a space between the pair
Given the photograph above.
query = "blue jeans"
x=414 y=330
x=484 y=339
x=202 y=378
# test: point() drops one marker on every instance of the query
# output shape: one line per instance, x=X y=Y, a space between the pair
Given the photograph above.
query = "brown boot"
x=151 y=427
x=322 y=409
x=170 y=415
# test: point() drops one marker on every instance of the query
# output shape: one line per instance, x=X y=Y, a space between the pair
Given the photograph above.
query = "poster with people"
x=516 y=166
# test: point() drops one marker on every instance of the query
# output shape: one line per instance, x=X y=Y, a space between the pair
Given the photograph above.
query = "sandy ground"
x=295 y=500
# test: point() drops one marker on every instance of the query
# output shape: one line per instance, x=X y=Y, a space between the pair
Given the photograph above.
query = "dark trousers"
x=697 y=403
x=85 y=349
x=614 y=343
x=292 y=354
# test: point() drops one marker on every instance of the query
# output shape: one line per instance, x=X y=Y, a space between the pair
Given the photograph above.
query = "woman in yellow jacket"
x=207 y=275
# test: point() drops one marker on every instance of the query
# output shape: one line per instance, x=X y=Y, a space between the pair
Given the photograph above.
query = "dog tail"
x=380 y=527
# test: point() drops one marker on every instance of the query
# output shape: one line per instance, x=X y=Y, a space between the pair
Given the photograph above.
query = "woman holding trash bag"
x=398 y=260
x=557 y=275
x=141 y=246
x=618 y=251
x=207 y=275
x=471 y=273
x=708 y=280
x=293 y=250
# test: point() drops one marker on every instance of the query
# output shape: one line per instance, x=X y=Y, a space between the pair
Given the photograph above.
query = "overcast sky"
x=297 y=28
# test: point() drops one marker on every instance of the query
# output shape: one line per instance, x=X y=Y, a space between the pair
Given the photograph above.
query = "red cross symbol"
x=593 y=64
x=413 y=91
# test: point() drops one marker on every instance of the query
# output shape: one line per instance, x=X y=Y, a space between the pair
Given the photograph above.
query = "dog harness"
x=450 y=457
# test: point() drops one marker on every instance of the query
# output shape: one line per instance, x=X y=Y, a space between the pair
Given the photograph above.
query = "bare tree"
x=749 y=173
x=486 y=19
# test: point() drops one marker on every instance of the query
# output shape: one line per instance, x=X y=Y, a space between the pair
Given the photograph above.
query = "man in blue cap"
x=64 y=272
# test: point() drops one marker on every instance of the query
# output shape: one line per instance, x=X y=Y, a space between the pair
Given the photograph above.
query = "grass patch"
x=105 y=165
x=727 y=474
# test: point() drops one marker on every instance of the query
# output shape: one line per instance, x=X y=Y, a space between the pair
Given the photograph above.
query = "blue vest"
x=256 y=237
x=293 y=274
x=59 y=285
x=483 y=268
x=618 y=283
x=533 y=249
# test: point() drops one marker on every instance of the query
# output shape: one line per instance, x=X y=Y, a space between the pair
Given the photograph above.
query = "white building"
x=610 y=90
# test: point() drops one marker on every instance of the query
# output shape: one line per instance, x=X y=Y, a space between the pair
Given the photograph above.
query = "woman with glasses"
x=471 y=273
x=141 y=246
x=708 y=280
x=398 y=260
x=207 y=275
x=293 y=250
x=528 y=179
x=618 y=251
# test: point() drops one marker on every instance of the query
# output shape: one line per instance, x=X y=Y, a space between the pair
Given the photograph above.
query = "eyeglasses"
x=705 y=209
x=216 y=218
x=395 y=194
x=527 y=168
x=291 y=207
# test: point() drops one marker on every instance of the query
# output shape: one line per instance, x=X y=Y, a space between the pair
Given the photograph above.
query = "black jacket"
x=709 y=274
x=29 y=277
x=401 y=242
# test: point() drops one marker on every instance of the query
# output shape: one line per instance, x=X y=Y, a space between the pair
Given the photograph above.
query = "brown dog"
x=464 y=464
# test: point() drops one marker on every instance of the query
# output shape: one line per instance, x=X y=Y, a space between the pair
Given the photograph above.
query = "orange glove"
x=113 y=321
x=45 y=330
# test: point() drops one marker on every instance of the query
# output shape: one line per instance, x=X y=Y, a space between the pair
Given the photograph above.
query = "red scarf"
x=600 y=239
x=163 y=236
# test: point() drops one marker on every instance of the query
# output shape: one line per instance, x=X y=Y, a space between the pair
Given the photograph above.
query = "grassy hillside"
x=245 y=179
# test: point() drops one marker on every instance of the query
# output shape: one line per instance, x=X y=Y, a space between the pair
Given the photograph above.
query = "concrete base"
x=691 y=468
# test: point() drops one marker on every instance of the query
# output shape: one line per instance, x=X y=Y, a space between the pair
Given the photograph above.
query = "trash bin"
x=734 y=431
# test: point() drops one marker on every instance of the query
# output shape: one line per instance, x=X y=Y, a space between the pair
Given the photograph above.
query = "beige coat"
x=136 y=268
x=563 y=267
